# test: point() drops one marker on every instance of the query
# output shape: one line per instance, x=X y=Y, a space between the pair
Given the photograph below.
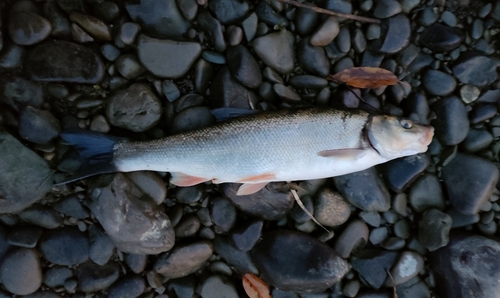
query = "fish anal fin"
x=250 y=188
x=265 y=177
x=181 y=179
x=343 y=153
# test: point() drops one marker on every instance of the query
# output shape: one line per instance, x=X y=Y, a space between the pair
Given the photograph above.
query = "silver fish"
x=287 y=145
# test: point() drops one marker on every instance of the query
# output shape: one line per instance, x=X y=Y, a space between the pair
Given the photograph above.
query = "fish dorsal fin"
x=250 y=188
x=226 y=113
x=344 y=153
x=181 y=179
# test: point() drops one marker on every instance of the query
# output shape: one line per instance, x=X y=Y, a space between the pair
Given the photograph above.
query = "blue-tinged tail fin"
x=97 y=150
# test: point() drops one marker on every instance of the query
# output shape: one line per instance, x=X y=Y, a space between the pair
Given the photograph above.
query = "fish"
x=284 y=145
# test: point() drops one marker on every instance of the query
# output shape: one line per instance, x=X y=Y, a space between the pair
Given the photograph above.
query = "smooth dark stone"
x=266 y=14
x=470 y=261
x=56 y=276
x=482 y=112
x=305 y=21
x=426 y=193
x=41 y=216
x=451 y=123
x=229 y=11
x=339 y=6
x=239 y=260
x=94 y=27
x=184 y=259
x=65 y=246
x=214 y=57
x=21 y=271
x=192 y=118
x=477 y=139
x=188 y=195
x=249 y=26
x=129 y=66
x=71 y=206
x=223 y=214
x=204 y=72
x=101 y=247
x=298 y=214
x=270 y=203
x=183 y=287
x=439 y=83
x=247 y=235
x=364 y=190
x=127 y=287
x=470 y=180
x=107 y=11
x=312 y=59
x=373 y=265
x=276 y=50
x=18 y=93
x=38 y=126
x=433 y=229
x=11 y=56
x=475 y=69
x=226 y=91
x=243 y=66
x=158 y=18
x=418 y=108
x=422 y=61
x=132 y=229
x=427 y=16
x=128 y=32
x=489 y=96
x=218 y=286
x=26 y=28
x=307 y=82
x=213 y=28
x=188 y=226
x=62 y=61
x=93 y=277
x=441 y=38
x=395 y=36
x=72 y=5
x=110 y=52
x=295 y=269
x=25 y=236
x=58 y=19
x=386 y=8
x=403 y=171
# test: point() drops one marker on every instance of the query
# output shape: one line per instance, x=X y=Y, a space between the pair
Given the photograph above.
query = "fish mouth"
x=426 y=139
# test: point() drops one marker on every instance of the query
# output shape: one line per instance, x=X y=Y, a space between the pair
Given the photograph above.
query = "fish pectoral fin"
x=344 y=153
x=250 y=188
x=181 y=179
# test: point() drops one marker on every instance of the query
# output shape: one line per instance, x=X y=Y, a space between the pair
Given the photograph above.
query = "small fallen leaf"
x=365 y=77
x=255 y=287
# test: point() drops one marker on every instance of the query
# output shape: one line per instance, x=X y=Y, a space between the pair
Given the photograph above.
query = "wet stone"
x=62 y=61
x=192 y=118
x=426 y=193
x=451 y=124
x=326 y=32
x=439 y=83
x=434 y=229
x=403 y=171
x=93 y=26
x=214 y=30
x=218 y=286
x=294 y=269
x=246 y=236
x=286 y=93
x=269 y=203
x=187 y=227
x=21 y=271
x=136 y=108
x=353 y=238
x=93 y=277
x=229 y=11
x=312 y=59
x=364 y=190
x=307 y=82
x=170 y=90
x=407 y=266
x=243 y=66
x=223 y=214
x=395 y=35
x=266 y=14
x=127 y=287
x=128 y=32
x=386 y=8
x=237 y=259
x=184 y=259
x=56 y=276
x=276 y=50
x=305 y=21
x=147 y=230
x=65 y=246
x=129 y=66
x=101 y=247
x=475 y=69
x=473 y=261
x=469 y=180
x=331 y=209
x=24 y=236
x=160 y=19
x=71 y=206
x=188 y=195
x=26 y=28
x=149 y=183
x=477 y=139
x=41 y=216
x=373 y=265
x=441 y=38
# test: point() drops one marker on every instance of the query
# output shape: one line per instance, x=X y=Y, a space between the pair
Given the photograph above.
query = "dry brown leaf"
x=255 y=287
x=365 y=77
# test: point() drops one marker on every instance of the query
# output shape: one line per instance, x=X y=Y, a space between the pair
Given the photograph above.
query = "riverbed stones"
x=276 y=50
x=26 y=28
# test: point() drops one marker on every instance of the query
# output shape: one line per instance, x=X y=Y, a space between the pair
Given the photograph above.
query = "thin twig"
x=332 y=13
x=301 y=205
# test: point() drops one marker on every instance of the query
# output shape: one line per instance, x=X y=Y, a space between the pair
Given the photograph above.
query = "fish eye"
x=406 y=124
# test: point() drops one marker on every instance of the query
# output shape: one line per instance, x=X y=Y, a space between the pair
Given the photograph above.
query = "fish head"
x=395 y=137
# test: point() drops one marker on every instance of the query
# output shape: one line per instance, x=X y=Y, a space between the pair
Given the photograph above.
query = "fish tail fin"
x=97 y=150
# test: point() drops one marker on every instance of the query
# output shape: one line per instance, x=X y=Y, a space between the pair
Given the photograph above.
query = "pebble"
x=136 y=108
x=142 y=233
x=63 y=61
x=21 y=271
x=373 y=264
x=407 y=266
x=128 y=32
x=276 y=50
x=434 y=229
x=149 y=183
x=234 y=35
x=26 y=28
x=31 y=169
x=469 y=93
x=188 y=195
x=71 y=206
x=65 y=246
x=188 y=9
x=24 y=236
x=475 y=69
x=41 y=216
x=451 y=123
x=326 y=32
x=246 y=236
x=167 y=58
x=441 y=38
x=307 y=82
x=184 y=259
x=364 y=190
x=403 y=171
x=266 y=14
x=223 y=214
x=11 y=56
x=477 y=139
x=343 y=40
x=239 y=260
x=56 y=276
x=183 y=287
x=93 y=277
x=472 y=261
x=243 y=66
x=192 y=118
x=305 y=273
x=482 y=112
x=286 y=93
x=129 y=66
x=268 y=203
x=214 y=30
x=395 y=35
x=312 y=59
x=38 y=126
x=331 y=209
x=305 y=20
x=99 y=124
x=127 y=287
x=449 y=18
x=93 y=26
x=469 y=181
x=427 y=16
x=58 y=20
x=413 y=288
x=161 y=19
x=101 y=247
x=229 y=11
x=249 y=26
x=187 y=227
x=426 y=193
x=439 y=83
x=226 y=91
x=387 y=8
x=354 y=237
x=217 y=286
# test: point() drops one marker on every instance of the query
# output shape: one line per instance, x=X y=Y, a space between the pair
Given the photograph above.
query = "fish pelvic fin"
x=181 y=179
x=97 y=150
x=250 y=188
